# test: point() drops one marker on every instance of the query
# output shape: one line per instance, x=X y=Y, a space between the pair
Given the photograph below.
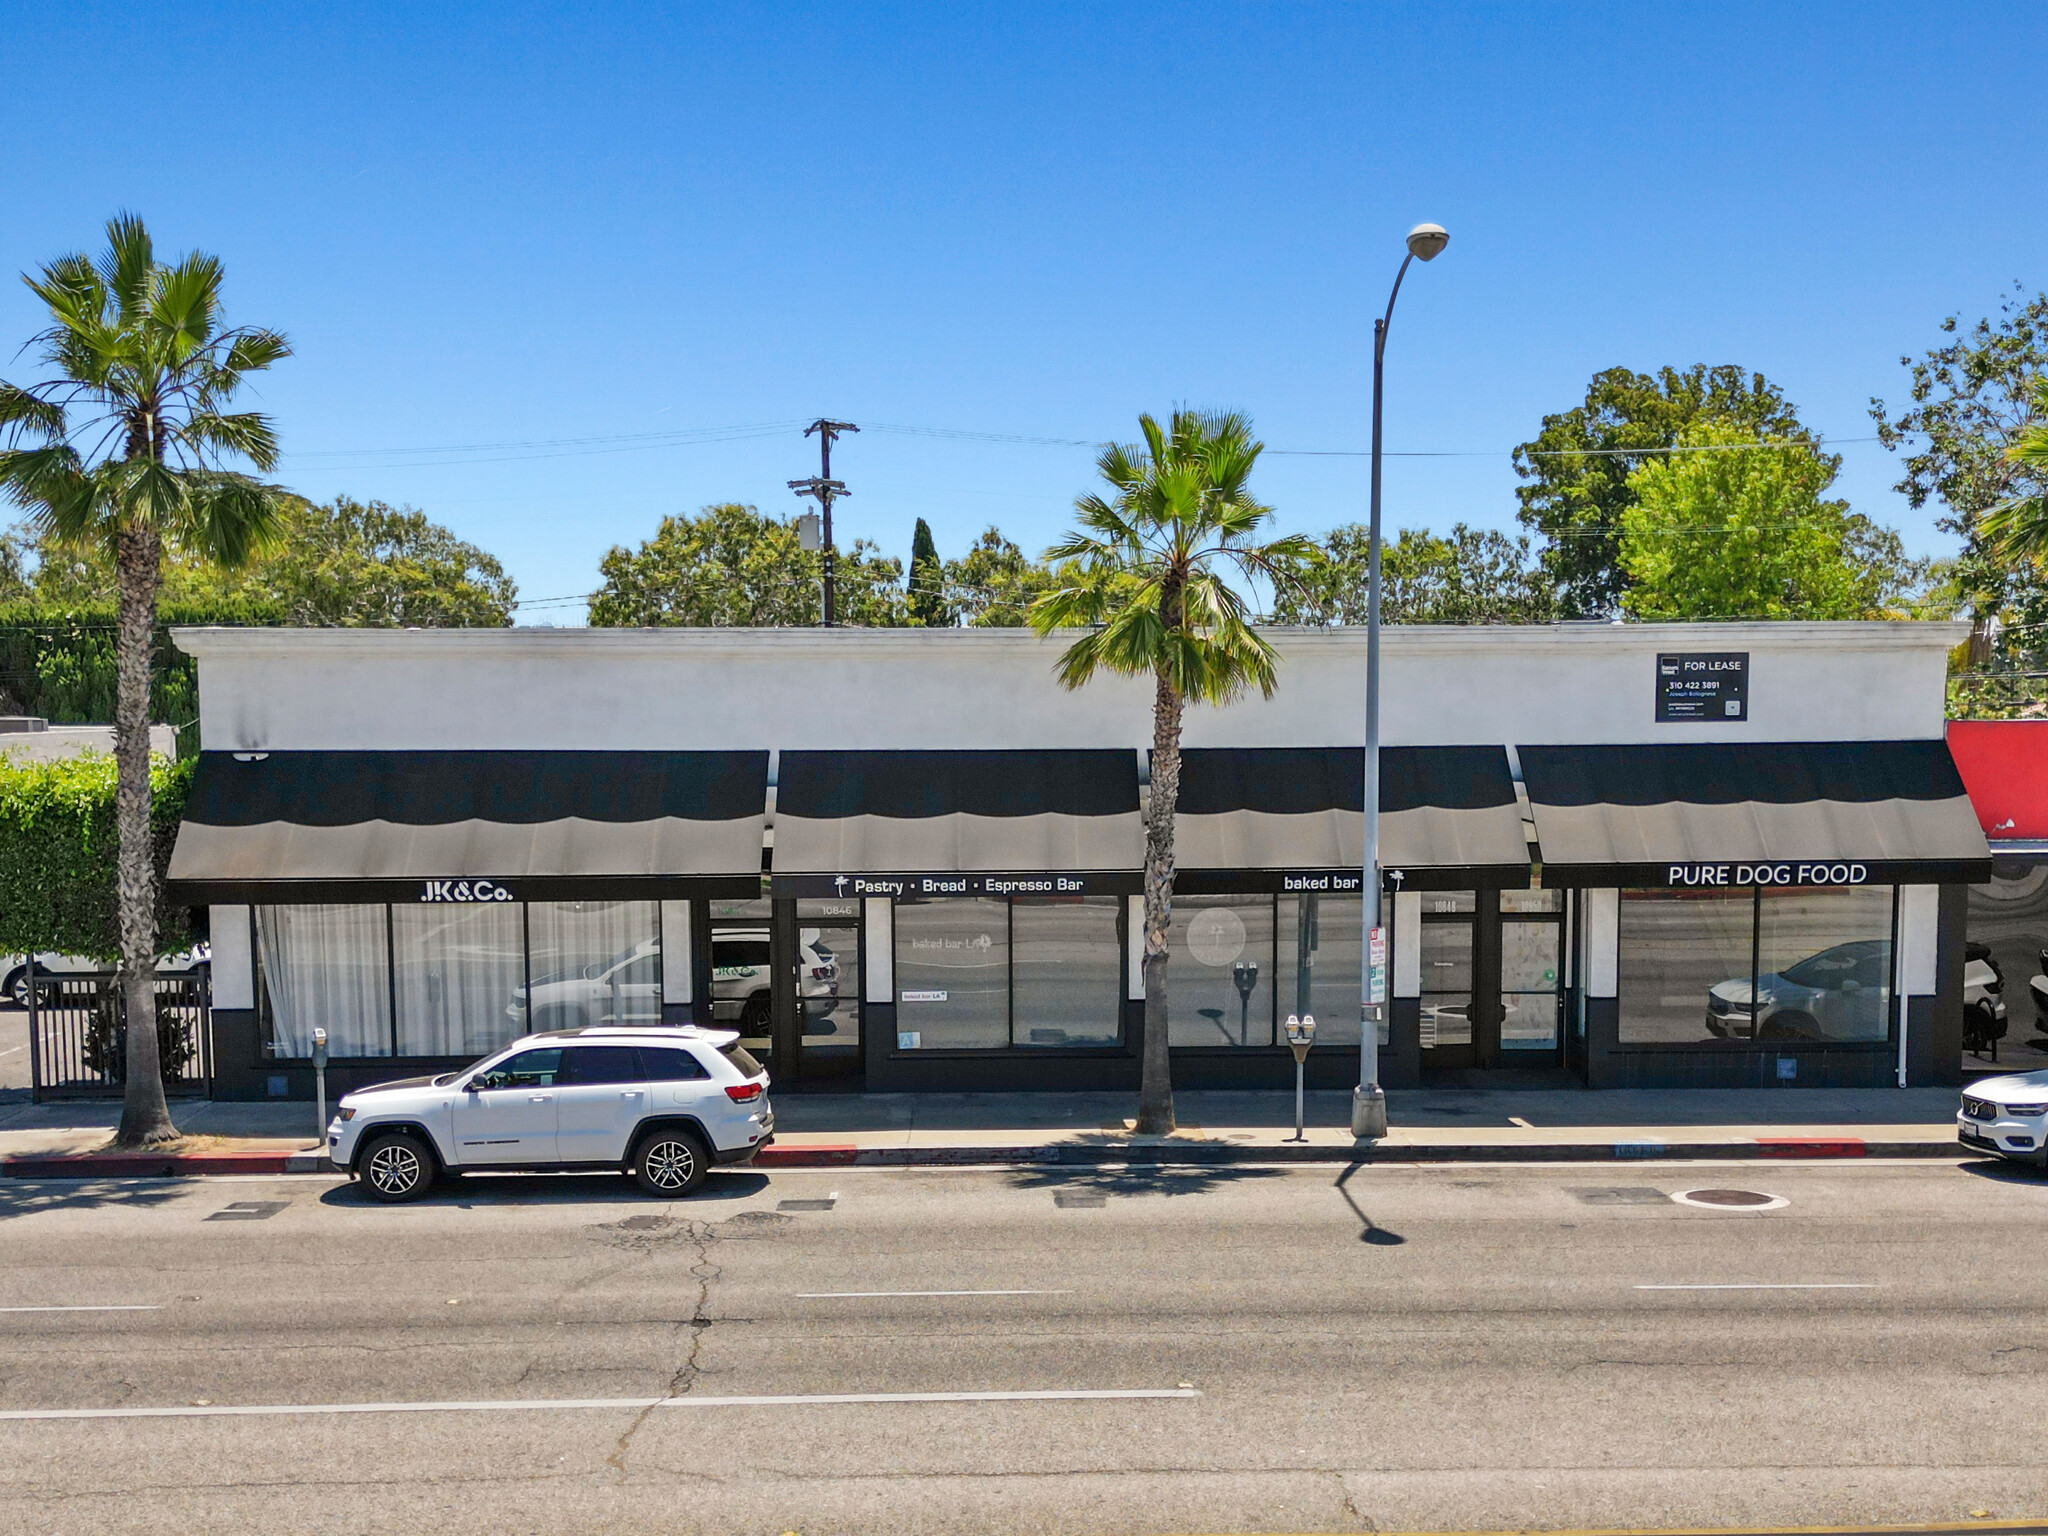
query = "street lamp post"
x=1369 y=1100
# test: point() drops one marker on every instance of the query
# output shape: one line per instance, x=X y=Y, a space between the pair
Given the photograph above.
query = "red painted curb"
x=144 y=1165
x=822 y=1155
x=1810 y=1146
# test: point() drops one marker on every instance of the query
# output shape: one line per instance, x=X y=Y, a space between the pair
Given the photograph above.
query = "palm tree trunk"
x=1155 y=1080
x=145 y=1117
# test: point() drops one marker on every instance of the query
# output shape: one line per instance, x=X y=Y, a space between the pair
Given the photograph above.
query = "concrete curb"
x=1212 y=1155
x=1163 y=1154
x=160 y=1165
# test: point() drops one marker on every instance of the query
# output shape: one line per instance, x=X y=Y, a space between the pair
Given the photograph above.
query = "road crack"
x=705 y=1271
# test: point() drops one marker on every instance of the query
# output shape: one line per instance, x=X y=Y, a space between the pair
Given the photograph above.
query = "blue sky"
x=533 y=226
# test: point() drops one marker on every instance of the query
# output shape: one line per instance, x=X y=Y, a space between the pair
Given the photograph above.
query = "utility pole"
x=826 y=490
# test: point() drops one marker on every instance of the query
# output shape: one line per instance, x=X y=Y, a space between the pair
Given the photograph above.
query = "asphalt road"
x=1398 y=1349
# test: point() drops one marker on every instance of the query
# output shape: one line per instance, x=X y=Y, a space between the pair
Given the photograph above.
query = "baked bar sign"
x=1703 y=686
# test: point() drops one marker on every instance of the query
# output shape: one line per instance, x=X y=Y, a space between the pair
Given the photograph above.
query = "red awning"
x=2004 y=764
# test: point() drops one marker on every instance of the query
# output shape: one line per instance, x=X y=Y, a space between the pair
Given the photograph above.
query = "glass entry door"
x=1447 y=978
x=828 y=982
x=1531 y=975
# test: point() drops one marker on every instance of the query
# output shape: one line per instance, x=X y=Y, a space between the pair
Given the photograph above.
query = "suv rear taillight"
x=743 y=1093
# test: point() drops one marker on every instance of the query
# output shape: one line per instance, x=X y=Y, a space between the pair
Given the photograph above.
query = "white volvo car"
x=660 y=1104
x=2007 y=1116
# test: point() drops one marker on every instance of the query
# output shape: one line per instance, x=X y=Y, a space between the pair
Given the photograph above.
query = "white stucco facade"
x=287 y=689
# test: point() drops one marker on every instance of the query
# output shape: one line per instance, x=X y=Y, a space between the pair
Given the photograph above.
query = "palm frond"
x=182 y=310
x=229 y=518
x=127 y=269
x=24 y=411
x=248 y=435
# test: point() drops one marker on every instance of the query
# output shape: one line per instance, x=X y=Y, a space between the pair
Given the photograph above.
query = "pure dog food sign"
x=1703 y=687
x=1834 y=873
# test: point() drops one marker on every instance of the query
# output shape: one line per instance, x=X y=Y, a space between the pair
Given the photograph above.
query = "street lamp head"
x=1427 y=241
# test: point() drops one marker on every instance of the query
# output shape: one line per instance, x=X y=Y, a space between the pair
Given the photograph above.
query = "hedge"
x=57 y=847
x=57 y=661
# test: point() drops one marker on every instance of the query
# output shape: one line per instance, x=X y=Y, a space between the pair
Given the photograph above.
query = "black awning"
x=1784 y=812
x=905 y=812
x=1443 y=810
x=278 y=826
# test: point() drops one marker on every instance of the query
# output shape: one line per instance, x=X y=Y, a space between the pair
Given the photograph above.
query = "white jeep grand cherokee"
x=661 y=1104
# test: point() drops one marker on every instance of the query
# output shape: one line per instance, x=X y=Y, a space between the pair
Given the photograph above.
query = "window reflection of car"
x=741 y=978
x=626 y=989
x=1838 y=994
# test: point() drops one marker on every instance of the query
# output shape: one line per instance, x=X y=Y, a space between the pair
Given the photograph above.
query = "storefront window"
x=460 y=974
x=1741 y=966
x=594 y=962
x=1321 y=976
x=326 y=967
x=1824 y=964
x=1067 y=971
x=1685 y=966
x=953 y=974
x=1220 y=975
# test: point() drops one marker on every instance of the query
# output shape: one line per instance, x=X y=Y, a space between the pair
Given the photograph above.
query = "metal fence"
x=78 y=1044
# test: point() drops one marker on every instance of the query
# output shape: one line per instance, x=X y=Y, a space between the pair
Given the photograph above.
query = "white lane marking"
x=859 y=1295
x=13 y=1048
x=543 y=1404
x=152 y=1308
x=1799 y=1285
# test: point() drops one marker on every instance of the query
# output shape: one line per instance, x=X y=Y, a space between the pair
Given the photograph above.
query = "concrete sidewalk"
x=819 y=1129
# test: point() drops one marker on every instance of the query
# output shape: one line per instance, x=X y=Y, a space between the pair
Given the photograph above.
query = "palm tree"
x=2017 y=529
x=121 y=451
x=1149 y=588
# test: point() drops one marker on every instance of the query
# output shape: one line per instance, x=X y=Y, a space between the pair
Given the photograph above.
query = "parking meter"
x=1246 y=974
x=320 y=1080
x=1301 y=1034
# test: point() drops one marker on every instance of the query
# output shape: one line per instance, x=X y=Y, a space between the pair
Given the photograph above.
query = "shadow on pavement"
x=1143 y=1179
x=1999 y=1171
x=483 y=1190
x=27 y=1197
x=1370 y=1231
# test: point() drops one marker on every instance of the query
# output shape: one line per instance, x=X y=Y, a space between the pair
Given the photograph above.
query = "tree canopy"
x=731 y=566
x=1729 y=528
x=345 y=563
x=1971 y=401
x=1580 y=462
x=1468 y=576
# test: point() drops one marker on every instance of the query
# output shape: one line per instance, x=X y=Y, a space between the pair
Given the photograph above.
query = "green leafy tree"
x=1730 y=529
x=1970 y=402
x=124 y=449
x=1469 y=576
x=994 y=584
x=1579 y=464
x=345 y=563
x=2016 y=529
x=730 y=566
x=13 y=566
x=926 y=600
x=1150 y=590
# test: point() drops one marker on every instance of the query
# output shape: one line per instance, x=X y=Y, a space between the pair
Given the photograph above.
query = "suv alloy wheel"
x=394 y=1167
x=670 y=1163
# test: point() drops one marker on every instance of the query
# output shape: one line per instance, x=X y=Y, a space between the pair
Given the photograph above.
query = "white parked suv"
x=2007 y=1116
x=660 y=1104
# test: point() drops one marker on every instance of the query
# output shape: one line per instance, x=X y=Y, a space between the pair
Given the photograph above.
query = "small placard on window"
x=909 y=1039
x=922 y=997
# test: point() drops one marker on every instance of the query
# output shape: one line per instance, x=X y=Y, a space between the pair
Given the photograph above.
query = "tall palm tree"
x=121 y=450
x=2017 y=529
x=1150 y=588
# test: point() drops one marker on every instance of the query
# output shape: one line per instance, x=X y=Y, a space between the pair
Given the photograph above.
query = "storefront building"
x=2005 y=765
x=909 y=860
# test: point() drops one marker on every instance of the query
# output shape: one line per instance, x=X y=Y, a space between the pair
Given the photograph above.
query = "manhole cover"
x=1731 y=1199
